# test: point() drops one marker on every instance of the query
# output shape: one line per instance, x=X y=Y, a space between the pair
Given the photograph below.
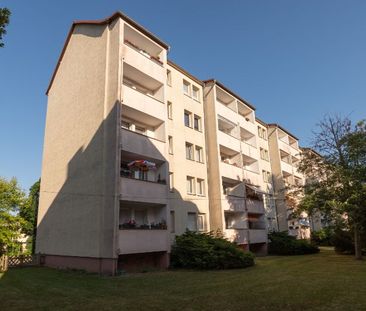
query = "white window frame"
x=186 y=112
x=191 y=185
x=171 y=181
x=190 y=153
x=201 y=222
x=170 y=144
x=169 y=108
x=199 y=123
x=186 y=88
x=195 y=90
x=200 y=185
x=199 y=154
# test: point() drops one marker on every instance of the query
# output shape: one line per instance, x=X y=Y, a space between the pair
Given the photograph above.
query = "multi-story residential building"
x=188 y=195
x=285 y=156
x=137 y=150
x=105 y=165
x=236 y=186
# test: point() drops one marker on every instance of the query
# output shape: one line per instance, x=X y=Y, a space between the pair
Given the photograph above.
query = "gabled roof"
x=229 y=91
x=283 y=129
x=105 y=21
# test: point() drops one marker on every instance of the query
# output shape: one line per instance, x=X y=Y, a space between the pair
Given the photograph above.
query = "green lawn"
x=324 y=281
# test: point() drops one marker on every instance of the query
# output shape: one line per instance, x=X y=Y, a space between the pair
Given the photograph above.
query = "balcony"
x=228 y=141
x=255 y=206
x=141 y=102
x=144 y=61
x=282 y=145
x=249 y=150
x=231 y=171
x=137 y=190
x=142 y=241
x=226 y=111
x=257 y=236
x=142 y=145
x=239 y=236
x=233 y=204
x=286 y=167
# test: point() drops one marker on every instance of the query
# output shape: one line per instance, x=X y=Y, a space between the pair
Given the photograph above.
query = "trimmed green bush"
x=281 y=243
x=208 y=251
x=323 y=237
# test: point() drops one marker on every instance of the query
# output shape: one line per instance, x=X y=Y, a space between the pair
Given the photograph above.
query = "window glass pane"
x=186 y=87
x=192 y=222
x=187 y=119
x=171 y=181
x=197 y=123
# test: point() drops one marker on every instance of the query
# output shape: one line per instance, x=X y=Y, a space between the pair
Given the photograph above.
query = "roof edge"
x=229 y=91
x=185 y=72
x=104 y=21
x=283 y=129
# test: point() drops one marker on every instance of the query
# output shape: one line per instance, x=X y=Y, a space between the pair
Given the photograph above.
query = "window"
x=266 y=176
x=170 y=110
x=200 y=187
x=186 y=88
x=189 y=151
x=201 y=222
x=139 y=129
x=187 y=118
x=262 y=133
x=125 y=124
x=197 y=123
x=171 y=182
x=190 y=185
x=199 y=154
x=264 y=154
x=170 y=144
x=195 y=93
x=169 y=78
x=172 y=221
x=192 y=222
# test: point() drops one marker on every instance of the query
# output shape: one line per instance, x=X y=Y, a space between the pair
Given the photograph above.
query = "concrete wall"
x=180 y=201
x=78 y=202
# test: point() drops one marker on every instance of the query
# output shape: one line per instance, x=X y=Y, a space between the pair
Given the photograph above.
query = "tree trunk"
x=358 y=246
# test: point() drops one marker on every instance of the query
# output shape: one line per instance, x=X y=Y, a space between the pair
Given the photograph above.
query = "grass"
x=325 y=281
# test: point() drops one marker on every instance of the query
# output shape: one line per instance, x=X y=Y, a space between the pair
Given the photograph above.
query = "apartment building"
x=188 y=193
x=285 y=156
x=137 y=151
x=239 y=172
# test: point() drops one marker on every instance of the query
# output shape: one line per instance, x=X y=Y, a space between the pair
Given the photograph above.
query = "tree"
x=12 y=198
x=29 y=212
x=336 y=175
x=4 y=21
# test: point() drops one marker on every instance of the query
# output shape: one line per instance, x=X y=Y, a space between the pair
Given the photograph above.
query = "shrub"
x=343 y=242
x=281 y=243
x=208 y=251
x=323 y=237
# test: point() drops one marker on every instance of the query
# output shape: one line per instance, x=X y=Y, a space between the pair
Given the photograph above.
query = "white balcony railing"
x=143 y=63
x=257 y=236
x=255 y=206
x=142 y=145
x=143 y=191
x=143 y=241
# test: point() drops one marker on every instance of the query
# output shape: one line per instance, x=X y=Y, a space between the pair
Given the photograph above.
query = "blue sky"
x=294 y=60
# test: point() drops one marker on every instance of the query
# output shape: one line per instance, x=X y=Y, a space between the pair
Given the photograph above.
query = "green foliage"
x=343 y=242
x=29 y=212
x=323 y=237
x=281 y=243
x=336 y=175
x=12 y=198
x=208 y=251
x=4 y=21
